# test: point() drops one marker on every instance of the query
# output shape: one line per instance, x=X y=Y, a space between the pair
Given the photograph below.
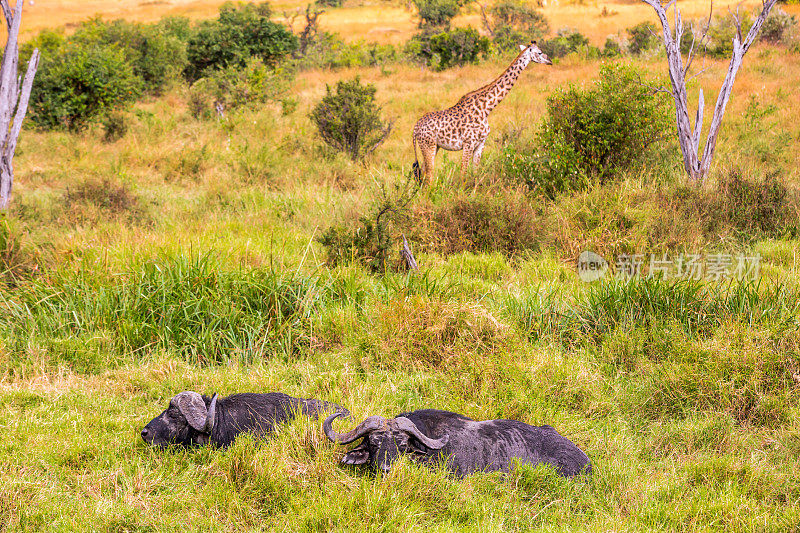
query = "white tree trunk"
x=698 y=167
x=13 y=99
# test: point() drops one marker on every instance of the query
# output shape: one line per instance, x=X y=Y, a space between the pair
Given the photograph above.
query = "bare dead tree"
x=307 y=33
x=408 y=256
x=485 y=20
x=13 y=98
x=698 y=166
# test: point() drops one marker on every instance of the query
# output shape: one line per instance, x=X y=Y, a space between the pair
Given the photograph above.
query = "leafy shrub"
x=721 y=32
x=329 y=3
x=448 y=48
x=157 y=58
x=778 y=26
x=240 y=33
x=369 y=240
x=548 y=175
x=511 y=23
x=234 y=87
x=567 y=41
x=177 y=27
x=598 y=132
x=363 y=243
x=79 y=83
x=328 y=51
x=49 y=43
x=437 y=13
x=643 y=37
x=349 y=119
x=612 y=48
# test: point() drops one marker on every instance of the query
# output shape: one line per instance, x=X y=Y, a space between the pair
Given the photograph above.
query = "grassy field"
x=184 y=256
x=369 y=19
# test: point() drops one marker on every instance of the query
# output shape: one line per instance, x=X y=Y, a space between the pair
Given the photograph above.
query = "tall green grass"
x=182 y=304
x=696 y=307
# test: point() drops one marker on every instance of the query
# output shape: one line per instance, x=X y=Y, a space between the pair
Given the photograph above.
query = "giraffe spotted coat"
x=465 y=126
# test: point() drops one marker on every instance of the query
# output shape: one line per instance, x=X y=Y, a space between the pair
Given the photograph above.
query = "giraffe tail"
x=415 y=167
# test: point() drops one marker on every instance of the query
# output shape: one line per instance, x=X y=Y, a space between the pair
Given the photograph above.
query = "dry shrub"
x=610 y=220
x=98 y=199
x=739 y=206
x=506 y=223
x=419 y=332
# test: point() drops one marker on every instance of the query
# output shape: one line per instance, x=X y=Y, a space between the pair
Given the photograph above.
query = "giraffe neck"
x=493 y=94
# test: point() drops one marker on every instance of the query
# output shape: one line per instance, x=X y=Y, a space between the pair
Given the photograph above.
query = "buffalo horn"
x=409 y=427
x=212 y=409
x=370 y=423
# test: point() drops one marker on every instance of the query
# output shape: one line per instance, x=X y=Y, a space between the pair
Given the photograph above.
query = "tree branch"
x=8 y=13
x=14 y=97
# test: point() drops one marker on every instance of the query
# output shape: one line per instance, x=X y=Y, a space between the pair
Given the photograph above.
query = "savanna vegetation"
x=188 y=215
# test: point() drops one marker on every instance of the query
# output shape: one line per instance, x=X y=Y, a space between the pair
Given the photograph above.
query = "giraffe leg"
x=466 y=158
x=476 y=155
x=428 y=155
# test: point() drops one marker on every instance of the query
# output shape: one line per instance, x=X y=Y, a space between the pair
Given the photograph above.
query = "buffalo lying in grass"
x=465 y=445
x=193 y=419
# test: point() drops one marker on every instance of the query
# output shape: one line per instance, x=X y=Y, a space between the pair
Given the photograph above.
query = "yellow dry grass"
x=383 y=22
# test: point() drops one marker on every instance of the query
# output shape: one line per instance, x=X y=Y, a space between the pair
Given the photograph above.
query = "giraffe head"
x=535 y=54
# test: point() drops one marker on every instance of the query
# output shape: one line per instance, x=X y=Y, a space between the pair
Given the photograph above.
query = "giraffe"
x=465 y=126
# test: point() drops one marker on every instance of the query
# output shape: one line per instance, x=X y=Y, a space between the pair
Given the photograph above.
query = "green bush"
x=80 y=83
x=549 y=173
x=176 y=27
x=778 y=27
x=721 y=32
x=157 y=58
x=448 y=48
x=234 y=87
x=349 y=120
x=592 y=133
x=369 y=240
x=437 y=13
x=643 y=37
x=329 y=51
x=511 y=23
x=612 y=48
x=568 y=41
x=239 y=34
x=48 y=42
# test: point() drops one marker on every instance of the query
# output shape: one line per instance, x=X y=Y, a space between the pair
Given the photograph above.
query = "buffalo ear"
x=418 y=447
x=192 y=407
x=356 y=457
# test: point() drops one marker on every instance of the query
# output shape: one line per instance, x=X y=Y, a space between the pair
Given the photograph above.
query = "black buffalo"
x=193 y=419
x=465 y=445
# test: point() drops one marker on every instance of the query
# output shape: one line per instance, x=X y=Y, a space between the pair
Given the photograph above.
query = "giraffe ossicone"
x=465 y=126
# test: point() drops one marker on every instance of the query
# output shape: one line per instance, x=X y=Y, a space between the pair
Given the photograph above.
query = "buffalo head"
x=186 y=421
x=384 y=440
